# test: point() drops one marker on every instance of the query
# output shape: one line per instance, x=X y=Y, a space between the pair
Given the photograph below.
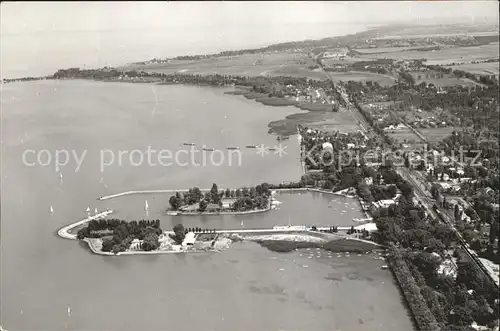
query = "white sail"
x=242 y=225
x=95 y=211
x=51 y=210
x=60 y=175
x=146 y=207
x=87 y=210
x=69 y=311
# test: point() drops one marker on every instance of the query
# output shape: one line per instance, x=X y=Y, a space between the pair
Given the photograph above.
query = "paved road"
x=428 y=203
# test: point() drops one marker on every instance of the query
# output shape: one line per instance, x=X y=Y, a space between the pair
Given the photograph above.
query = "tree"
x=196 y=195
x=460 y=316
x=227 y=193
x=179 y=234
x=203 y=205
x=107 y=245
x=174 y=202
x=238 y=193
x=214 y=193
x=150 y=241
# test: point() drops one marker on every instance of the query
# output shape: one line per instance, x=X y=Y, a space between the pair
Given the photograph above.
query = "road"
x=428 y=204
x=350 y=107
x=422 y=195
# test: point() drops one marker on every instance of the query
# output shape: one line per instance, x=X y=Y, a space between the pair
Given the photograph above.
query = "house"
x=351 y=146
x=135 y=245
x=382 y=204
x=228 y=203
x=327 y=146
x=189 y=239
x=369 y=181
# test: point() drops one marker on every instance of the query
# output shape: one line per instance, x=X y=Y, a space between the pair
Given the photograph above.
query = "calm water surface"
x=244 y=288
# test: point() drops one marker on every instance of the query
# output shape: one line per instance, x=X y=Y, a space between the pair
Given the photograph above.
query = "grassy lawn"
x=447 y=80
x=436 y=134
x=489 y=68
x=444 y=56
x=361 y=76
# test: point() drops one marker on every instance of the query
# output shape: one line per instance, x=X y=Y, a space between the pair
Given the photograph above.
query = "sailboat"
x=242 y=225
x=87 y=210
x=95 y=211
x=60 y=175
x=51 y=210
x=146 y=205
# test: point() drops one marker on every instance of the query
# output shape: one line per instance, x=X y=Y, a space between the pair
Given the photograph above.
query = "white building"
x=189 y=239
x=383 y=203
x=327 y=146
x=369 y=181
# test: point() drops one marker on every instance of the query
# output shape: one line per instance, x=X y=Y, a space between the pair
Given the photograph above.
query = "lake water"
x=243 y=288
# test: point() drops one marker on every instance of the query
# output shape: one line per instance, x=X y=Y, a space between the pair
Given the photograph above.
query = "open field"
x=326 y=121
x=343 y=61
x=444 y=56
x=295 y=71
x=385 y=49
x=436 y=134
x=404 y=136
x=447 y=80
x=274 y=64
x=361 y=76
x=490 y=68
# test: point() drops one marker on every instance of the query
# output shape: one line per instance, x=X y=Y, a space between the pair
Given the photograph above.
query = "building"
x=369 y=181
x=383 y=203
x=189 y=239
x=228 y=203
x=327 y=146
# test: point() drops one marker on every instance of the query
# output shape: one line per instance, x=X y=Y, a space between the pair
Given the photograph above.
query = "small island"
x=215 y=201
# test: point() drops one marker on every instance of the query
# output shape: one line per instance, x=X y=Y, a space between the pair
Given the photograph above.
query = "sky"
x=25 y=17
x=41 y=36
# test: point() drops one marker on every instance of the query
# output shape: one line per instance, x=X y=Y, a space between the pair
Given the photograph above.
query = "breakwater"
x=301 y=189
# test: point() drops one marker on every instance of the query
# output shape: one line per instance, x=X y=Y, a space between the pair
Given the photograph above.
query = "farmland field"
x=295 y=71
x=436 y=134
x=447 y=80
x=385 y=49
x=490 y=68
x=361 y=76
x=291 y=64
x=444 y=56
x=402 y=136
